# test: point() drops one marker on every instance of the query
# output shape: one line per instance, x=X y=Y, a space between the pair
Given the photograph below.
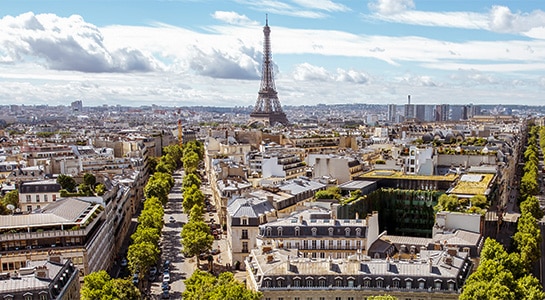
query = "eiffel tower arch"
x=267 y=110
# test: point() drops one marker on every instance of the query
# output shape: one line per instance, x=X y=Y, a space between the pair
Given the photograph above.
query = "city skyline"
x=187 y=53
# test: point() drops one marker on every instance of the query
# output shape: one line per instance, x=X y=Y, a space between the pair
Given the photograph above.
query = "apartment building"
x=38 y=194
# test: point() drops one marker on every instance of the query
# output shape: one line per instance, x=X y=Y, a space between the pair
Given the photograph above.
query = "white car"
x=166 y=277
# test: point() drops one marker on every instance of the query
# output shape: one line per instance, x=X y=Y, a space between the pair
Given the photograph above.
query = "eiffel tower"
x=267 y=109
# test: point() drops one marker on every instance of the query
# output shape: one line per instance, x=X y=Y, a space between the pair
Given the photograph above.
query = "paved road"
x=171 y=245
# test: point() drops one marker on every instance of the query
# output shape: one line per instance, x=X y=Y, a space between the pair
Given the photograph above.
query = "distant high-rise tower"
x=392 y=113
x=267 y=109
x=409 y=109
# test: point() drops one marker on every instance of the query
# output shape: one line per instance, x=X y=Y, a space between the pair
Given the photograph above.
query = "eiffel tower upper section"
x=267 y=109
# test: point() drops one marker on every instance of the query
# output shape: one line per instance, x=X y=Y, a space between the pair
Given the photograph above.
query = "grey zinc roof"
x=298 y=186
x=361 y=265
x=63 y=211
x=248 y=207
x=459 y=237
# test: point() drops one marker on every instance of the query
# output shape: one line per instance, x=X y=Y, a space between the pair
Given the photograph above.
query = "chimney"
x=54 y=257
x=409 y=99
x=388 y=264
x=288 y=265
x=452 y=251
x=301 y=222
x=331 y=265
x=42 y=272
x=430 y=264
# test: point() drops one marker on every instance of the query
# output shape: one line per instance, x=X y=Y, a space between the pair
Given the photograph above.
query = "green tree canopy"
x=100 y=286
x=190 y=180
x=479 y=201
x=531 y=206
x=175 y=151
x=196 y=238
x=150 y=218
x=12 y=197
x=67 y=182
x=142 y=256
x=146 y=234
x=447 y=203
x=203 y=285
x=89 y=180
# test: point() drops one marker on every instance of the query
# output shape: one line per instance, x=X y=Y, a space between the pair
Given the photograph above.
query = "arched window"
x=297 y=231
x=279 y=282
x=350 y=282
x=358 y=231
x=395 y=282
x=338 y=282
x=379 y=282
x=347 y=231
x=267 y=282
x=269 y=231
x=280 y=230
x=330 y=230
x=438 y=283
x=296 y=282
x=421 y=283
x=310 y=282
x=314 y=230
x=408 y=283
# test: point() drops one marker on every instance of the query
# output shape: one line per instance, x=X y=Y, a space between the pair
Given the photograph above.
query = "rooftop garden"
x=472 y=184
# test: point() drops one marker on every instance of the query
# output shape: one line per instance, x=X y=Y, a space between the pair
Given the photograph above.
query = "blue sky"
x=191 y=52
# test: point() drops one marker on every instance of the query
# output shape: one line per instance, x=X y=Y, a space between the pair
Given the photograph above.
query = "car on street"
x=165 y=294
x=171 y=219
x=166 y=265
x=166 y=276
x=165 y=286
x=135 y=278
x=124 y=262
x=215 y=251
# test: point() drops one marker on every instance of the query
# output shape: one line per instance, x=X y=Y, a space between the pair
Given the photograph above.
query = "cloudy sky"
x=209 y=52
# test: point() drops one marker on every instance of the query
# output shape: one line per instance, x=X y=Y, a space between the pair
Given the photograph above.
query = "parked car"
x=153 y=271
x=165 y=294
x=165 y=286
x=166 y=276
x=124 y=262
x=135 y=278
x=166 y=265
x=171 y=219
x=215 y=251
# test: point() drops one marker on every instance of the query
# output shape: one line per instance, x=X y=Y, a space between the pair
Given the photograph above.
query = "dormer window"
x=279 y=229
x=347 y=231
x=269 y=231
x=244 y=221
x=358 y=232
x=297 y=231
x=314 y=230
x=330 y=230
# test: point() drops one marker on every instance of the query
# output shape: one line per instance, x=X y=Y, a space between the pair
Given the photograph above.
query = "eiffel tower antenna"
x=267 y=109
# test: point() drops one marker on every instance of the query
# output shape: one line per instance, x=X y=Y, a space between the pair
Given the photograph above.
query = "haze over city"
x=184 y=53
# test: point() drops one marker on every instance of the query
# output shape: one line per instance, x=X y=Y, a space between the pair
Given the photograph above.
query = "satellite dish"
x=10 y=207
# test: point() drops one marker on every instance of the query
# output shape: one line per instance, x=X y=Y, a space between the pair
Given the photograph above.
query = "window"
x=43 y=296
x=321 y=282
x=322 y=244
x=38 y=207
x=28 y=199
x=297 y=282
x=347 y=231
x=279 y=282
x=379 y=283
x=45 y=198
x=350 y=283
x=269 y=231
x=313 y=244
x=438 y=285
x=330 y=230
x=29 y=208
x=297 y=229
x=310 y=282
x=367 y=283
x=338 y=282
x=322 y=298
x=296 y=298
x=338 y=298
x=408 y=284
x=244 y=221
x=28 y=297
x=358 y=244
x=396 y=283
x=314 y=230
x=267 y=283
x=451 y=286
x=280 y=298
x=279 y=229
x=331 y=244
x=37 y=198
x=244 y=247
x=305 y=244
x=421 y=284
x=245 y=234
x=54 y=197
x=350 y=298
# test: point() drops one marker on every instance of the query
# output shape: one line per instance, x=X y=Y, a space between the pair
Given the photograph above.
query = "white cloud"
x=281 y=8
x=326 y=5
x=309 y=72
x=66 y=44
x=390 y=7
x=234 y=18
x=498 y=19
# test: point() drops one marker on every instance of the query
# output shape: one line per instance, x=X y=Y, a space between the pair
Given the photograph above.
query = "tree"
x=196 y=238
x=175 y=151
x=190 y=162
x=157 y=188
x=89 y=180
x=480 y=201
x=12 y=198
x=531 y=206
x=190 y=180
x=67 y=182
x=142 y=256
x=192 y=196
x=203 y=285
x=196 y=213
x=529 y=288
x=150 y=218
x=146 y=234
x=447 y=203
x=100 y=286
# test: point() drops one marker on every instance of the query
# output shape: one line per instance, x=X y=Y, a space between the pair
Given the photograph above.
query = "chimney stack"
x=409 y=99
